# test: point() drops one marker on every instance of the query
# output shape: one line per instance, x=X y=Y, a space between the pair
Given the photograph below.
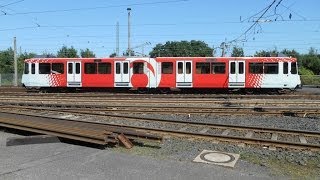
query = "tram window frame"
x=167 y=68
x=285 y=67
x=180 y=67
x=90 y=68
x=70 y=68
x=118 y=68
x=233 y=68
x=138 y=68
x=33 y=68
x=255 y=68
x=44 y=68
x=271 y=68
x=218 y=68
x=104 y=68
x=78 y=66
x=294 y=69
x=240 y=67
x=57 y=68
x=188 y=68
x=125 y=66
x=26 y=68
x=202 y=67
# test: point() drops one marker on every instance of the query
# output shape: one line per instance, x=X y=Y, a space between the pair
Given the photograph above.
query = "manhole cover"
x=218 y=158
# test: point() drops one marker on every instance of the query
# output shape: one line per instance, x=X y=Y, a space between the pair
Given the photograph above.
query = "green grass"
x=284 y=168
x=310 y=80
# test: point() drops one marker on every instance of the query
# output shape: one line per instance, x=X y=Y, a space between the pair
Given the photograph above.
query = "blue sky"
x=45 y=26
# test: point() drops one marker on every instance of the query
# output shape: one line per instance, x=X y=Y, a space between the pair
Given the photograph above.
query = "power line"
x=101 y=7
x=152 y=24
x=15 y=2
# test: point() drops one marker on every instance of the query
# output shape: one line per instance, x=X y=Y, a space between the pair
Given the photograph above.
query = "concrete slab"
x=39 y=139
x=217 y=158
x=69 y=161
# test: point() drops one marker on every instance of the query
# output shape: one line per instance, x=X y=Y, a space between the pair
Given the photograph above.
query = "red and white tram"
x=162 y=73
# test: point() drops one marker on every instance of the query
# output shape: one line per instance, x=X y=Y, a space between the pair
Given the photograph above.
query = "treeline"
x=6 y=57
x=309 y=63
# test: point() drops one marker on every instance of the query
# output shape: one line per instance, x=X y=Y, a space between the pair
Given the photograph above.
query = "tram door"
x=74 y=74
x=184 y=73
x=237 y=74
x=122 y=74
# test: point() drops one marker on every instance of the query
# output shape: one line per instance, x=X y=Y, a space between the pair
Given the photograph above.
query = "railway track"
x=171 y=109
x=113 y=95
x=241 y=135
x=207 y=101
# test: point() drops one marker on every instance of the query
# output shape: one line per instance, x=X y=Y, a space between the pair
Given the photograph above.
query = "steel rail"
x=168 y=101
x=131 y=95
x=260 y=141
x=207 y=124
x=82 y=131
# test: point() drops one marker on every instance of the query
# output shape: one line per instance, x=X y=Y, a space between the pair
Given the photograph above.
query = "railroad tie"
x=249 y=134
x=204 y=130
x=225 y=132
x=183 y=128
x=125 y=141
x=303 y=139
x=274 y=137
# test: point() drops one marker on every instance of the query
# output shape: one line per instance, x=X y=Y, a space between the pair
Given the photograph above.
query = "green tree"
x=263 y=53
x=87 y=53
x=6 y=61
x=66 y=52
x=126 y=53
x=21 y=59
x=113 y=55
x=191 y=48
x=290 y=53
x=237 y=52
x=311 y=61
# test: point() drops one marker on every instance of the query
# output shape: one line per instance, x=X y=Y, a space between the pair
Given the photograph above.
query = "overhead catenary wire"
x=98 y=7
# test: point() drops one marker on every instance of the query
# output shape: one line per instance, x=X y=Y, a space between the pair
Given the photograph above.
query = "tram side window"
x=233 y=68
x=271 y=68
x=77 y=68
x=167 y=68
x=180 y=68
x=44 y=68
x=33 y=68
x=285 y=68
x=117 y=68
x=218 y=68
x=241 y=67
x=125 y=68
x=256 y=68
x=138 y=68
x=294 y=68
x=90 y=68
x=104 y=68
x=57 y=68
x=26 y=68
x=188 y=68
x=203 y=68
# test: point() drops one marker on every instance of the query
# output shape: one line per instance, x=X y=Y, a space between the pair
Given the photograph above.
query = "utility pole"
x=15 y=62
x=223 y=47
x=129 y=48
x=213 y=51
x=117 y=40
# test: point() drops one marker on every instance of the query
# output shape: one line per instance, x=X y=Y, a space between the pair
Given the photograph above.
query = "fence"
x=8 y=80
x=313 y=80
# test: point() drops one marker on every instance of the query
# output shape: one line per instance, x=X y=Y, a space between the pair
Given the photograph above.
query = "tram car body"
x=162 y=73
